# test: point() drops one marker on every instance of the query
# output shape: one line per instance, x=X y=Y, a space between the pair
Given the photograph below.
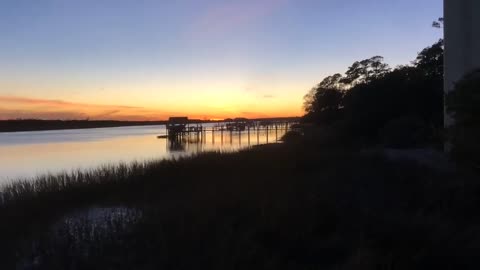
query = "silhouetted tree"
x=332 y=82
x=365 y=71
x=430 y=60
x=308 y=101
x=438 y=23
x=374 y=104
x=323 y=102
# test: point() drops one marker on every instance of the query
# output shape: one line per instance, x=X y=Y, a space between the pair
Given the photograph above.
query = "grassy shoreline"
x=285 y=206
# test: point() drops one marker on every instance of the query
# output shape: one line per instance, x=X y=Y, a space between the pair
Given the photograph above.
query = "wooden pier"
x=180 y=129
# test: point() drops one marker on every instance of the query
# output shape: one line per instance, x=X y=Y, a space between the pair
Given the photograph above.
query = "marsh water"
x=28 y=154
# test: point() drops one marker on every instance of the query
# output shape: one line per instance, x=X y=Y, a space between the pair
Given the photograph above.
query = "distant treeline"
x=37 y=125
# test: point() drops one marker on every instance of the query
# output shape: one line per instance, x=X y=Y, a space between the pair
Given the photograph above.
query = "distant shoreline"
x=44 y=125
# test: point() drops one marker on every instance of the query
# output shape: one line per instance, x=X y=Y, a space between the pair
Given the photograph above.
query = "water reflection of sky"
x=26 y=154
x=59 y=136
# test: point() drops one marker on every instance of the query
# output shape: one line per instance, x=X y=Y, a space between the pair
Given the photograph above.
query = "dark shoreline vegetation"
x=329 y=197
x=304 y=204
x=373 y=104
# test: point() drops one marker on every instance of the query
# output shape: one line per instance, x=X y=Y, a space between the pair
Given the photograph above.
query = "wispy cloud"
x=13 y=107
x=258 y=93
x=6 y=114
x=54 y=103
x=23 y=107
x=254 y=114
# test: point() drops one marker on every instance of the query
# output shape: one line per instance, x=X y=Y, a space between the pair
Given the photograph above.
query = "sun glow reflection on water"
x=28 y=154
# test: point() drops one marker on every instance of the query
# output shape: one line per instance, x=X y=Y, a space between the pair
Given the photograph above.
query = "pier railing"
x=227 y=132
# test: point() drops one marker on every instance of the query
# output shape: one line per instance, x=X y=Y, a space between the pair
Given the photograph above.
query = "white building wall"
x=462 y=41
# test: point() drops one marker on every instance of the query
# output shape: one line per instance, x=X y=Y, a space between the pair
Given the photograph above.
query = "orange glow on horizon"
x=33 y=108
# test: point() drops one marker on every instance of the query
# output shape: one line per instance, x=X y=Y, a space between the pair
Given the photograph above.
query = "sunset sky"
x=150 y=59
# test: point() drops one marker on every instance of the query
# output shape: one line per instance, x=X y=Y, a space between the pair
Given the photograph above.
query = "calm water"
x=27 y=154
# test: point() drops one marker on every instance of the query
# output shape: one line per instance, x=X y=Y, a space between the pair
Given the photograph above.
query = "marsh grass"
x=292 y=206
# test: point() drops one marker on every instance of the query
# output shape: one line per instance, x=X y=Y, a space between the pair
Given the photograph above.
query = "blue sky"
x=206 y=58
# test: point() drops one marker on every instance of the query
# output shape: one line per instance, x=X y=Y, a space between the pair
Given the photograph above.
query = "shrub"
x=464 y=106
x=405 y=132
